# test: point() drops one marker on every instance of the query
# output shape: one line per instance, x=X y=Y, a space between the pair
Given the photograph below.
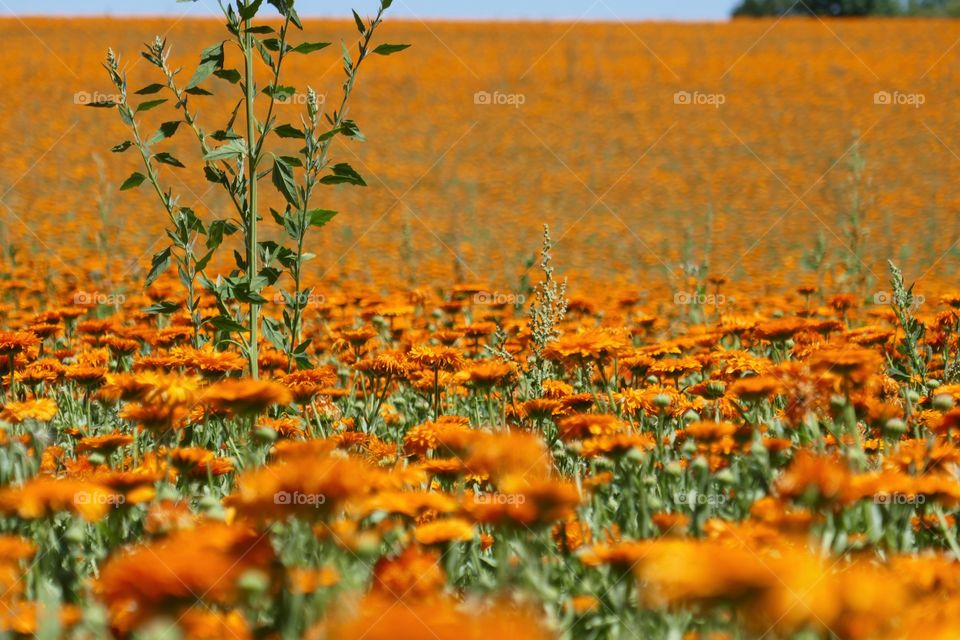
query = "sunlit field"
x=566 y=330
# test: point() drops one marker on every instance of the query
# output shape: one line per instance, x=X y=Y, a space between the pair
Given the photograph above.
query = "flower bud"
x=943 y=402
x=895 y=426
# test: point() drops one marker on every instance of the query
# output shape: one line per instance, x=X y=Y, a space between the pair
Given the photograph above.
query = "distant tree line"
x=943 y=8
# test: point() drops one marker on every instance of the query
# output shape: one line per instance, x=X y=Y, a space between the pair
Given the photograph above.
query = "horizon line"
x=349 y=19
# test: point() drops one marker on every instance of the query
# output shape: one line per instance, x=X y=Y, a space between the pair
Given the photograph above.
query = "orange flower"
x=597 y=345
x=442 y=531
x=14 y=342
x=107 y=443
x=586 y=425
x=304 y=385
x=312 y=580
x=43 y=497
x=41 y=410
x=436 y=358
x=617 y=444
x=204 y=562
x=823 y=478
x=245 y=396
x=303 y=485
x=487 y=374
x=382 y=619
x=209 y=363
x=415 y=574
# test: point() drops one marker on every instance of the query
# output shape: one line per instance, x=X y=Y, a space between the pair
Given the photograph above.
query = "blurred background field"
x=591 y=138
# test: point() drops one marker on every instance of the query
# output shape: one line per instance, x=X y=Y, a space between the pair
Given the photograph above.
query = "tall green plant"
x=237 y=157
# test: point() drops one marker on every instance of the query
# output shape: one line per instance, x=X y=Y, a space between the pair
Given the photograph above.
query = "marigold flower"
x=41 y=410
x=303 y=485
x=444 y=530
x=14 y=342
x=438 y=619
x=42 y=497
x=108 y=443
x=414 y=574
x=585 y=425
x=436 y=358
x=141 y=582
x=245 y=396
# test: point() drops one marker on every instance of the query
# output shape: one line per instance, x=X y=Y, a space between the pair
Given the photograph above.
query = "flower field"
x=602 y=330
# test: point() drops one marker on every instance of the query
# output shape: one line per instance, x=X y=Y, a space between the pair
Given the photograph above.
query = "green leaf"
x=389 y=49
x=245 y=294
x=214 y=175
x=265 y=53
x=204 y=261
x=329 y=134
x=362 y=28
x=211 y=59
x=150 y=104
x=166 y=158
x=351 y=130
x=219 y=229
x=343 y=173
x=262 y=29
x=233 y=149
x=123 y=146
x=226 y=323
x=230 y=75
x=249 y=10
x=164 y=307
x=271 y=331
x=188 y=221
x=320 y=217
x=289 y=131
x=135 y=180
x=167 y=130
x=160 y=263
x=283 y=180
x=280 y=93
x=101 y=104
x=310 y=47
x=285 y=7
x=150 y=89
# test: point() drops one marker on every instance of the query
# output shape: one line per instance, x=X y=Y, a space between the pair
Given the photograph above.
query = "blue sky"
x=483 y=9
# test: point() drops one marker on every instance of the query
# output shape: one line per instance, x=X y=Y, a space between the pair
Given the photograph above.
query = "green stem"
x=250 y=88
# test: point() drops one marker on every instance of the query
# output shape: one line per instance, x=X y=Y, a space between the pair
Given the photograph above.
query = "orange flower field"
x=561 y=330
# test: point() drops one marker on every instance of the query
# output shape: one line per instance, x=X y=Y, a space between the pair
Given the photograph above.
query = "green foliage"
x=234 y=158
x=903 y=303
x=547 y=312
x=847 y=7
